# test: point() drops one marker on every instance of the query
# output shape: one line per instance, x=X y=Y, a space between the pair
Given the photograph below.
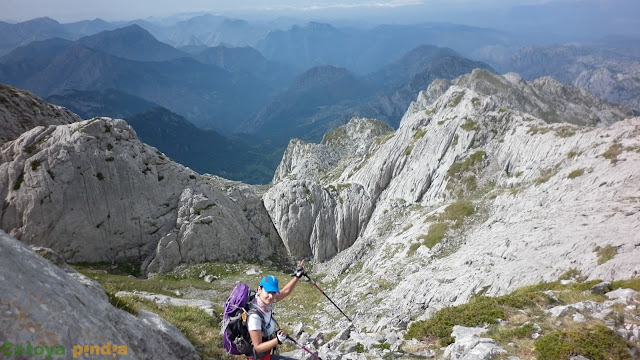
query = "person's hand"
x=300 y=271
x=282 y=336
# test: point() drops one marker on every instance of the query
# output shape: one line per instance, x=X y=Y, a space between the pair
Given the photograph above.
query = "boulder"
x=44 y=306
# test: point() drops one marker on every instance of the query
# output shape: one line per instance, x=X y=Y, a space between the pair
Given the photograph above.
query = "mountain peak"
x=131 y=42
x=320 y=76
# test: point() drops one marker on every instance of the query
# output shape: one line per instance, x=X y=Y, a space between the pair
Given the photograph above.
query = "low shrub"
x=478 y=312
x=595 y=343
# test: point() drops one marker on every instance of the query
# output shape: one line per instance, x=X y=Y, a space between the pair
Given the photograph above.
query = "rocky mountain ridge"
x=606 y=71
x=470 y=195
x=93 y=192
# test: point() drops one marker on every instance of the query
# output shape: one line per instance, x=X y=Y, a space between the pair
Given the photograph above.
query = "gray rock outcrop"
x=313 y=220
x=93 y=192
x=469 y=345
x=45 y=307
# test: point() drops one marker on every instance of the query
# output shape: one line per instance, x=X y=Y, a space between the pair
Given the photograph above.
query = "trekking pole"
x=304 y=348
x=327 y=296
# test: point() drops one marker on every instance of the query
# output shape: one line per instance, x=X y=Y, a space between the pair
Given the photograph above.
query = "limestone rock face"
x=92 y=192
x=21 y=111
x=313 y=220
x=470 y=195
x=44 y=306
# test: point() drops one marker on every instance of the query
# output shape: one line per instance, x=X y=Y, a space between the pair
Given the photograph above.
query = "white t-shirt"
x=254 y=322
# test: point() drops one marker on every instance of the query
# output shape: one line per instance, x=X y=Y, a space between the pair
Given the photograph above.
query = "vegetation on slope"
x=201 y=329
x=519 y=324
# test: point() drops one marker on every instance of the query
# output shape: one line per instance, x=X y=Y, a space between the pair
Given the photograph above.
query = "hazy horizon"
x=591 y=17
x=120 y=10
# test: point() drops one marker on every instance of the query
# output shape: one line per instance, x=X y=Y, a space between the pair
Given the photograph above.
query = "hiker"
x=266 y=339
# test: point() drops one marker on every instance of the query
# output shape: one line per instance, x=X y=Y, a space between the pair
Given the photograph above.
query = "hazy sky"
x=74 y=10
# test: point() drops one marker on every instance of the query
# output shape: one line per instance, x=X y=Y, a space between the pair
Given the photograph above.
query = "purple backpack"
x=235 y=335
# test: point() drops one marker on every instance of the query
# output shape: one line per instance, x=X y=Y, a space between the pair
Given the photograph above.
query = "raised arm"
x=287 y=289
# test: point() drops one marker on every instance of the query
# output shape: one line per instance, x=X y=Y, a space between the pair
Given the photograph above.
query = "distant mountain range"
x=326 y=97
x=207 y=95
x=296 y=82
x=608 y=70
x=367 y=51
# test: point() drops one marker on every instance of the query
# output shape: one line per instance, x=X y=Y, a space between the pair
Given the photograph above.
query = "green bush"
x=508 y=335
x=35 y=164
x=596 y=343
x=478 y=312
x=19 y=181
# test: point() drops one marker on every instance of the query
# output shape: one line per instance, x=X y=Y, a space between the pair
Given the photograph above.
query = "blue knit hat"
x=270 y=284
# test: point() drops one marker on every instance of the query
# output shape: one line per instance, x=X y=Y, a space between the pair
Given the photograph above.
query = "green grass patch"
x=122 y=303
x=612 y=152
x=572 y=154
x=605 y=253
x=435 y=235
x=413 y=248
x=575 y=173
x=627 y=284
x=533 y=130
x=457 y=212
x=457 y=169
x=201 y=329
x=456 y=101
x=483 y=310
x=595 y=343
x=545 y=175
x=419 y=134
x=564 y=131
x=383 y=138
x=408 y=150
x=469 y=125
x=573 y=274
x=509 y=334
